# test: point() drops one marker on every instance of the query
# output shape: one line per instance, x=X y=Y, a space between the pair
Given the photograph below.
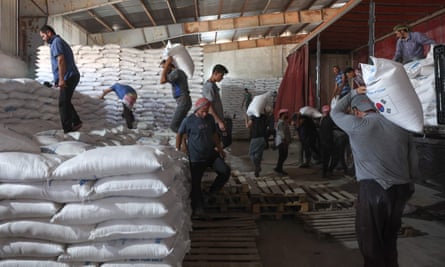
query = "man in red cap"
x=204 y=150
x=282 y=140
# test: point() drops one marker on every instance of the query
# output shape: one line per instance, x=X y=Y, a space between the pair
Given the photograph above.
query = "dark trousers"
x=341 y=141
x=283 y=151
x=68 y=115
x=197 y=170
x=184 y=103
x=128 y=116
x=378 y=221
x=326 y=155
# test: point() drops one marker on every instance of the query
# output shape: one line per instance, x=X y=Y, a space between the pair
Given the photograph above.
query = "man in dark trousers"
x=180 y=91
x=204 y=150
x=128 y=97
x=66 y=77
x=386 y=166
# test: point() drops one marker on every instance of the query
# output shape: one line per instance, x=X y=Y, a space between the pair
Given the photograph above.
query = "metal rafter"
x=196 y=5
x=122 y=15
x=147 y=12
x=286 y=7
x=171 y=11
x=41 y=9
x=309 y=4
x=94 y=16
x=266 y=7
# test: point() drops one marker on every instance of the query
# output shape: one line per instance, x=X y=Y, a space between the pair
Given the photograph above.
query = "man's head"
x=47 y=32
x=336 y=69
x=218 y=73
x=361 y=104
x=401 y=30
x=202 y=106
x=283 y=113
x=349 y=72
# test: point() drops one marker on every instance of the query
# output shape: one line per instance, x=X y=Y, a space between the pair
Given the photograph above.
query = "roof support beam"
x=142 y=36
x=253 y=43
x=296 y=17
x=147 y=12
x=94 y=16
x=57 y=8
x=171 y=11
x=123 y=17
x=328 y=19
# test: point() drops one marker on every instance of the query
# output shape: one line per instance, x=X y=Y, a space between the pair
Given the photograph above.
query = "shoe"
x=77 y=127
x=284 y=173
x=280 y=172
x=304 y=165
x=257 y=171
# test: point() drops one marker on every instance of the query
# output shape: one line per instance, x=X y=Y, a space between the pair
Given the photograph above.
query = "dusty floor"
x=284 y=243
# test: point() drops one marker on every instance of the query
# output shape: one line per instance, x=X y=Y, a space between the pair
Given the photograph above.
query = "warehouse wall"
x=8 y=27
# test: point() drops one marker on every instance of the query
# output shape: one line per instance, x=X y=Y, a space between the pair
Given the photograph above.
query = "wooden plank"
x=218 y=243
x=274 y=188
x=254 y=190
x=225 y=250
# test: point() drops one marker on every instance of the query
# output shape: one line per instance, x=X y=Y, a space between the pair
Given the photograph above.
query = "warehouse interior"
x=283 y=46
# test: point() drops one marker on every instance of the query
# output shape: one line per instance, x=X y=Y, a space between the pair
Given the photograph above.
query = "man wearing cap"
x=204 y=150
x=409 y=45
x=386 y=164
x=180 y=91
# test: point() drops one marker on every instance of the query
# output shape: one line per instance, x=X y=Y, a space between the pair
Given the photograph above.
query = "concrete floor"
x=284 y=243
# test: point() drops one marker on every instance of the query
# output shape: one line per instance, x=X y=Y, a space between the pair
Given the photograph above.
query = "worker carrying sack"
x=389 y=88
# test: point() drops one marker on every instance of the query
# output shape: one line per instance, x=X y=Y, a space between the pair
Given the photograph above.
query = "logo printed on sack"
x=385 y=105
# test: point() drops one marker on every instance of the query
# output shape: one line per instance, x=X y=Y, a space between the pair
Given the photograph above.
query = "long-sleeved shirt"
x=382 y=151
x=411 y=48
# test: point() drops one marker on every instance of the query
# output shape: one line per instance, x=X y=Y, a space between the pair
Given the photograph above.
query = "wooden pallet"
x=275 y=187
x=339 y=224
x=278 y=209
x=324 y=197
x=224 y=240
x=225 y=202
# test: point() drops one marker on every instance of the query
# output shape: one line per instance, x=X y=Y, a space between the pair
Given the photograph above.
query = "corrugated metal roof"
x=346 y=33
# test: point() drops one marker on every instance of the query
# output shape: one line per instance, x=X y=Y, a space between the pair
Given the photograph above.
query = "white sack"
x=258 y=104
x=11 y=141
x=20 y=248
x=181 y=58
x=112 y=160
x=26 y=167
x=15 y=209
x=119 y=250
x=53 y=190
x=45 y=231
x=311 y=112
x=34 y=263
x=67 y=148
x=389 y=87
x=100 y=210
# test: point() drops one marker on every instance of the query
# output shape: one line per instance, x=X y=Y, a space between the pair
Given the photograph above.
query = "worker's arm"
x=166 y=69
x=62 y=70
x=105 y=92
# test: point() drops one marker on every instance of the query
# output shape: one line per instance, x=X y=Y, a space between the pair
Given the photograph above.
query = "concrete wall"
x=8 y=27
x=253 y=63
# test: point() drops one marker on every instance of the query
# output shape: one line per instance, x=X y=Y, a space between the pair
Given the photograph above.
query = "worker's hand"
x=222 y=154
x=221 y=126
x=361 y=90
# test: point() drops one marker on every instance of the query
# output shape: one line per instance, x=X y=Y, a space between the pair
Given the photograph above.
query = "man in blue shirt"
x=204 y=150
x=66 y=77
x=128 y=97
x=180 y=91
x=409 y=45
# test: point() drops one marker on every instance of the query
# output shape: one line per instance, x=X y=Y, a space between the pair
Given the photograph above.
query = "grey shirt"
x=211 y=92
x=382 y=151
x=178 y=79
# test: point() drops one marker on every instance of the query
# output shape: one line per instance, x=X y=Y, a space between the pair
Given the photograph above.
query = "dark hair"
x=220 y=69
x=348 y=69
x=46 y=28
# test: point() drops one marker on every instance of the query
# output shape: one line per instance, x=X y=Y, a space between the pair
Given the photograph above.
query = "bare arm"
x=62 y=70
x=221 y=124
x=166 y=70
x=105 y=92
x=218 y=145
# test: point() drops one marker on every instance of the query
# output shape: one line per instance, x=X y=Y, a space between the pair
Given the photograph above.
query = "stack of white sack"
x=102 y=66
x=421 y=75
x=107 y=206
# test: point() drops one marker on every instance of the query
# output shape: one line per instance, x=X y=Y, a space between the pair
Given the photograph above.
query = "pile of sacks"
x=107 y=206
x=102 y=66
